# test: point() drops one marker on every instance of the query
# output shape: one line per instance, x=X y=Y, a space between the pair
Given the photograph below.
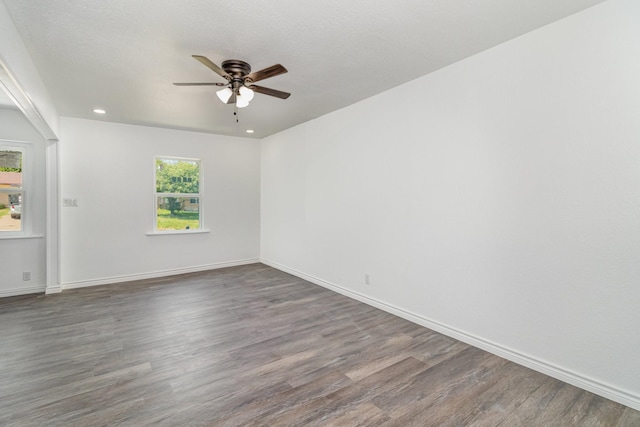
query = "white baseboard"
x=155 y=274
x=53 y=290
x=566 y=375
x=25 y=290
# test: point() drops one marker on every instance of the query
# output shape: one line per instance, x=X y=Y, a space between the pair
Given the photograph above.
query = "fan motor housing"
x=236 y=68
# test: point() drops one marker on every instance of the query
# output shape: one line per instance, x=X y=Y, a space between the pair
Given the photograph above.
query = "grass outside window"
x=178 y=221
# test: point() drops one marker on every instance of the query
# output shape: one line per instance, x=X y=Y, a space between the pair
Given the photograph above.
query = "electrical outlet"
x=366 y=279
x=26 y=276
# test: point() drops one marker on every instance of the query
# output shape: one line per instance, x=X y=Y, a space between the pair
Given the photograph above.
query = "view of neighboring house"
x=9 y=180
x=10 y=198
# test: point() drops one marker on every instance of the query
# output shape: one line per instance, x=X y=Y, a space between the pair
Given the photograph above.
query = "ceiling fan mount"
x=236 y=68
x=239 y=87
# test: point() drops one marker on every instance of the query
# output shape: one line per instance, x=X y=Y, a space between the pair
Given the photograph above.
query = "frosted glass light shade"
x=241 y=101
x=224 y=94
x=246 y=93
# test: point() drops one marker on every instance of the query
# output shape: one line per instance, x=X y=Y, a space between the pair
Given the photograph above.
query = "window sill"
x=23 y=236
x=172 y=232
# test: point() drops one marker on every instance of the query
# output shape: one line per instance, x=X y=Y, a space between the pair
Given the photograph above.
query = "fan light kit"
x=239 y=88
x=243 y=97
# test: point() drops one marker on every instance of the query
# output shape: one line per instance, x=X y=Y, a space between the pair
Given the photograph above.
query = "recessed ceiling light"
x=249 y=130
x=99 y=111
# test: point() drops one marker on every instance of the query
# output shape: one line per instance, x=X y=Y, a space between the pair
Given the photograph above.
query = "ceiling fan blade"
x=200 y=84
x=213 y=67
x=272 y=71
x=267 y=91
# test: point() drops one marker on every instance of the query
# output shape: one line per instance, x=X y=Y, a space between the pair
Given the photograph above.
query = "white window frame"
x=26 y=229
x=198 y=195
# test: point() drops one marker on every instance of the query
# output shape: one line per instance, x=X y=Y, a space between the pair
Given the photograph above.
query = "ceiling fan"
x=239 y=88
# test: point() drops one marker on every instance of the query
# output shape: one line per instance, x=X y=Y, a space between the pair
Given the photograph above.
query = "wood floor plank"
x=253 y=346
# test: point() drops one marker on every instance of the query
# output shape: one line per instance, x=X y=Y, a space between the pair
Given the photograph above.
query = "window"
x=177 y=194
x=12 y=190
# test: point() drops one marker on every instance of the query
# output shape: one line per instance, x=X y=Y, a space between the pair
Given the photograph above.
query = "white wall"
x=25 y=255
x=109 y=169
x=497 y=200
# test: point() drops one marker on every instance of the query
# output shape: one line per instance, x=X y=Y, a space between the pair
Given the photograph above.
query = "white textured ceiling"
x=123 y=55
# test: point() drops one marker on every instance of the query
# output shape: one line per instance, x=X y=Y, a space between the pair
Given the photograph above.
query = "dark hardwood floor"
x=252 y=346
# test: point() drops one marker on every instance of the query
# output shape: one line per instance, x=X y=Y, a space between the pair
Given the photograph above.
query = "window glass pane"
x=10 y=211
x=178 y=213
x=177 y=176
x=10 y=169
x=10 y=179
x=10 y=161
